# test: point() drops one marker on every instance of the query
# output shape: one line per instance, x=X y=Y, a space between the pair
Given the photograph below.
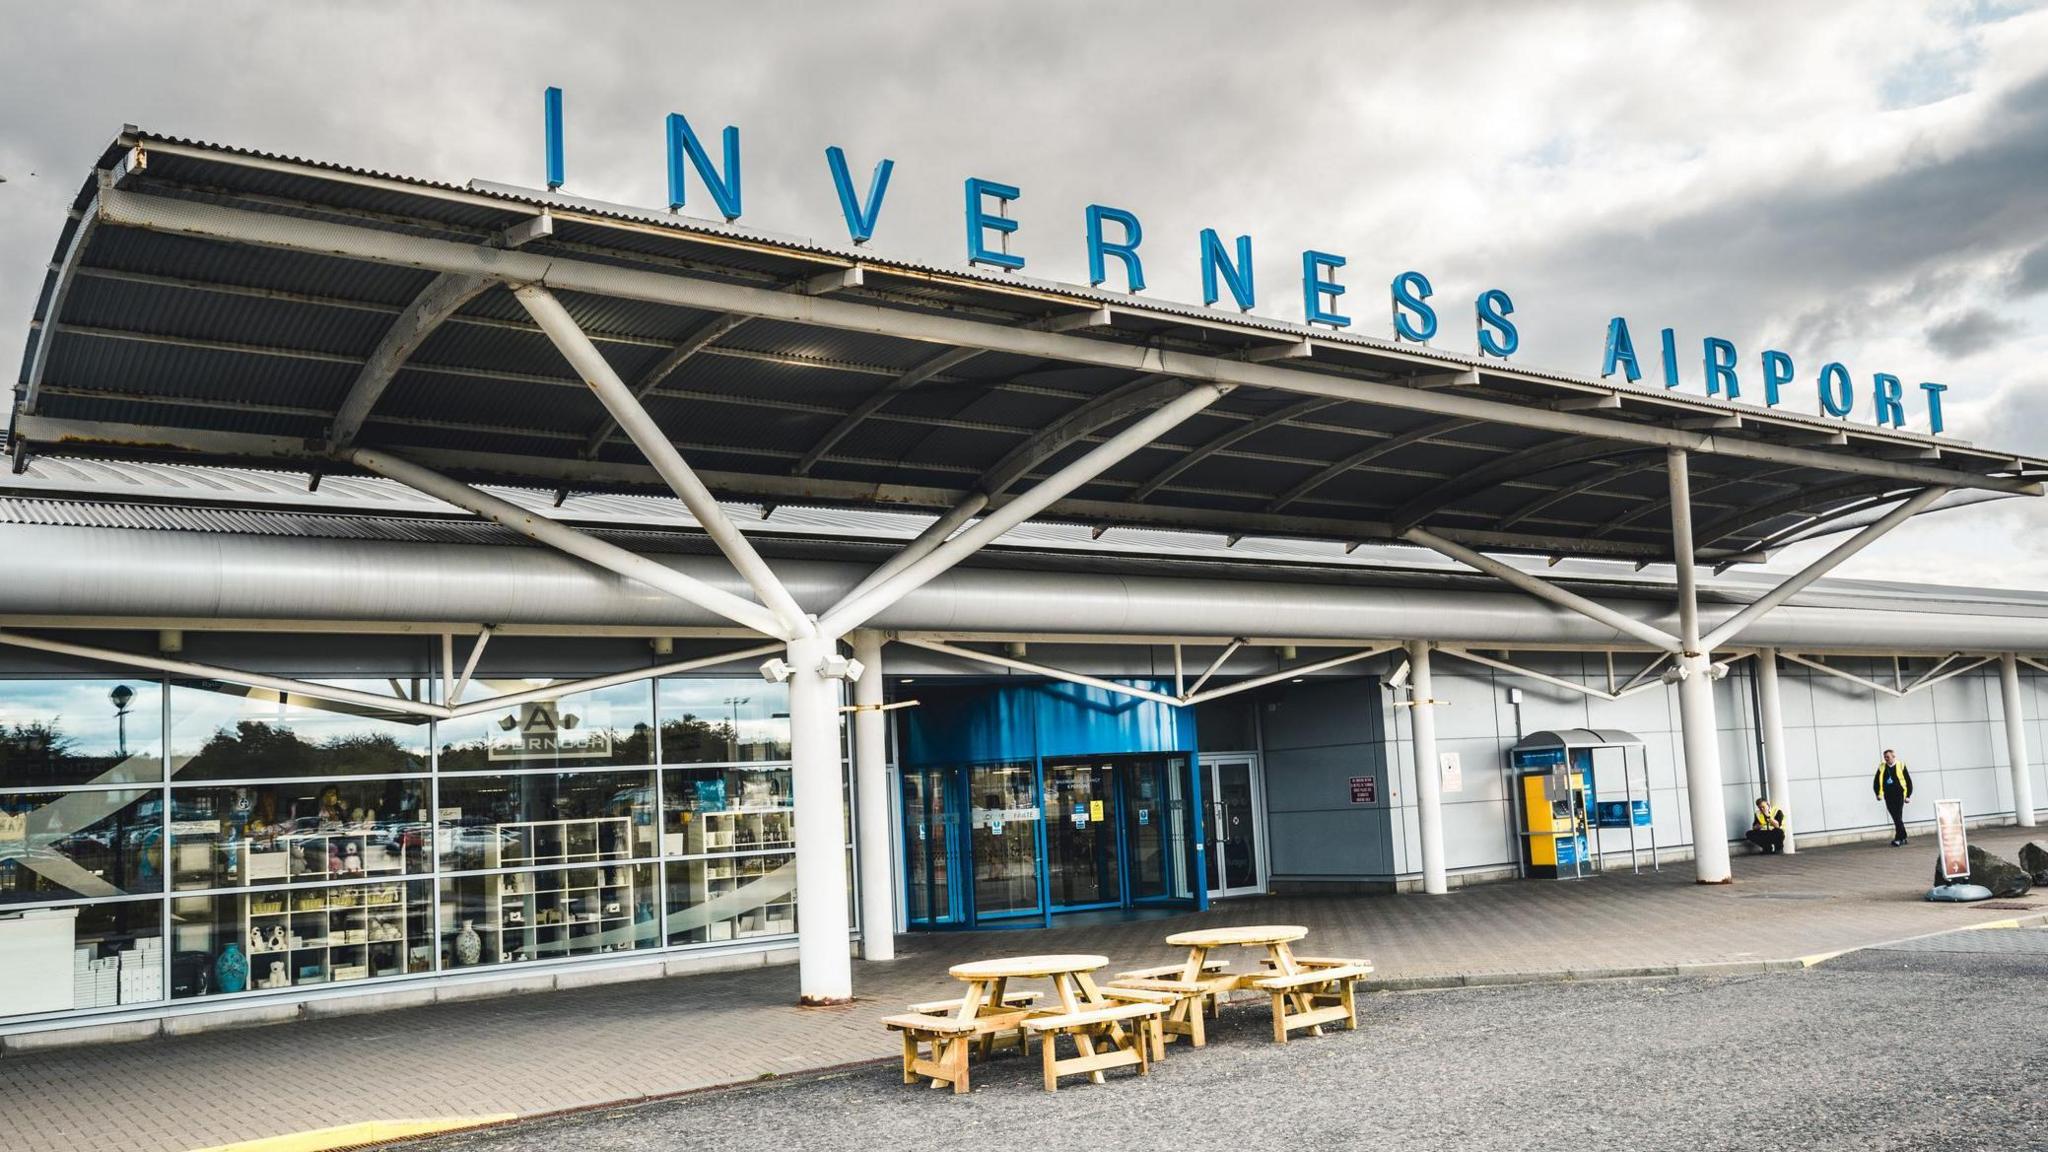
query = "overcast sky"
x=1863 y=182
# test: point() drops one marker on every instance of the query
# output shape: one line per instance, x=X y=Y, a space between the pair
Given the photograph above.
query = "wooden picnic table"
x=1293 y=982
x=1073 y=984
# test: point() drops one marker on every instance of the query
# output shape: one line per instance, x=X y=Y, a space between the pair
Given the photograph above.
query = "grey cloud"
x=1968 y=332
x=2031 y=274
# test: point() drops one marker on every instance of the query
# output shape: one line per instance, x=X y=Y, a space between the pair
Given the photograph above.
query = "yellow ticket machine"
x=1553 y=821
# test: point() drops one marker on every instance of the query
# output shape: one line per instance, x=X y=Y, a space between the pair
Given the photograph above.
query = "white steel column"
x=1776 y=772
x=1696 y=697
x=871 y=804
x=1429 y=784
x=824 y=960
x=2016 y=739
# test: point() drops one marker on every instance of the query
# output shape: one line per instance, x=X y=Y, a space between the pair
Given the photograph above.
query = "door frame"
x=1206 y=765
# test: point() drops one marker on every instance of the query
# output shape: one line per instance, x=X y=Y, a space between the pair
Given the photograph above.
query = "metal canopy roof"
x=199 y=307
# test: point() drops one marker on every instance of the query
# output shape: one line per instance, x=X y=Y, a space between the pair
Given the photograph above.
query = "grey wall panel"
x=1352 y=845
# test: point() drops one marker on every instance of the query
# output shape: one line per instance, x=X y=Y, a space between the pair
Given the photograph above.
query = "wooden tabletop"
x=1248 y=934
x=1025 y=967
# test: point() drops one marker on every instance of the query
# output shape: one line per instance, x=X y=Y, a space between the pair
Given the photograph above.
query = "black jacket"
x=1892 y=777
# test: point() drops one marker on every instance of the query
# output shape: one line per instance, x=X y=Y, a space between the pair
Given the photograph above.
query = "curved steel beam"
x=1662 y=504
x=1234 y=436
x=922 y=372
x=1365 y=455
x=703 y=337
x=1529 y=461
x=1145 y=392
x=1826 y=499
x=443 y=296
x=1565 y=492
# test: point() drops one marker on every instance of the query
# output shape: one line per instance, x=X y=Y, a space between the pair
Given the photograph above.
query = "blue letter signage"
x=1314 y=287
x=683 y=142
x=980 y=223
x=860 y=220
x=1127 y=252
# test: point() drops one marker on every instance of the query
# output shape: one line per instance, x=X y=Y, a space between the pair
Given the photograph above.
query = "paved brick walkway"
x=537 y=1053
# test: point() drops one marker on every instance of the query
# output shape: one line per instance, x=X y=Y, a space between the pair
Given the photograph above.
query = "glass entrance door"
x=1084 y=851
x=1005 y=813
x=931 y=849
x=1235 y=818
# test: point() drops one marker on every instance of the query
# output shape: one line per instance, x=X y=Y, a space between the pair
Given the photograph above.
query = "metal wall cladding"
x=982 y=723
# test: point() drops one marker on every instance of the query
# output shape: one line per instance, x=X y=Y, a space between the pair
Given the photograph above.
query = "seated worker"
x=1767 y=827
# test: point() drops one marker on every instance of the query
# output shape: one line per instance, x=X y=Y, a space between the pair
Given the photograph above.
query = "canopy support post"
x=2016 y=739
x=1696 y=695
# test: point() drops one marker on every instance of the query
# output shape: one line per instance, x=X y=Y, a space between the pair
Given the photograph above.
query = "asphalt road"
x=1939 y=1044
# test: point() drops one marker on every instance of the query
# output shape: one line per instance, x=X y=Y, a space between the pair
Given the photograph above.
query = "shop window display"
x=600 y=906
x=301 y=830
x=540 y=818
x=298 y=937
x=101 y=955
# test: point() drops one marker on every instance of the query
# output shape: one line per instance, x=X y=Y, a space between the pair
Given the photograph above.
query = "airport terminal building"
x=413 y=585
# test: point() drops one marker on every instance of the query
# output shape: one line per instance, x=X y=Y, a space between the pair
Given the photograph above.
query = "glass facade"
x=286 y=843
x=1021 y=801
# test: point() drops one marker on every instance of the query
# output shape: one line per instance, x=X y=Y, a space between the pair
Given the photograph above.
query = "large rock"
x=2002 y=878
x=2034 y=861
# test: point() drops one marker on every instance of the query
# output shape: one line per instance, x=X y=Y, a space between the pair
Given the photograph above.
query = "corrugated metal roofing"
x=175 y=332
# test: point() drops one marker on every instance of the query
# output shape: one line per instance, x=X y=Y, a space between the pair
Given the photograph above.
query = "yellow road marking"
x=364 y=1132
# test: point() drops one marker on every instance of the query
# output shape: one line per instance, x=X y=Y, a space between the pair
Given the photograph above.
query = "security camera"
x=777 y=671
x=837 y=667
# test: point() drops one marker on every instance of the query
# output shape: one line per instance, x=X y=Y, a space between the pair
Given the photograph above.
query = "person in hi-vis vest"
x=1894 y=785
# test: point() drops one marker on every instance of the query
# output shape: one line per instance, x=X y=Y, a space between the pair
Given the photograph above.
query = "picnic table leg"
x=952 y=1052
x=988 y=1039
x=1188 y=1012
x=1064 y=983
x=1283 y=959
x=910 y=1050
x=1048 y=1047
x=1349 y=991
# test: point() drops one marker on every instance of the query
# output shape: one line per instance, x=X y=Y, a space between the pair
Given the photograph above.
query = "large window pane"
x=227 y=732
x=545 y=818
x=547 y=914
x=92 y=844
x=60 y=733
x=291 y=938
x=723 y=721
x=231 y=836
x=583 y=730
x=726 y=810
x=86 y=956
x=731 y=898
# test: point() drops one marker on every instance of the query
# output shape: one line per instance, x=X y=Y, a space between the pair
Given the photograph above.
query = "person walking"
x=1894 y=785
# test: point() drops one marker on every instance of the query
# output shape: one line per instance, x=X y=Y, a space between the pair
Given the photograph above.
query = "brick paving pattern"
x=543 y=1052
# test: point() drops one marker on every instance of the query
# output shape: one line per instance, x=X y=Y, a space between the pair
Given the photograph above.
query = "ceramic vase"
x=469 y=947
x=231 y=971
